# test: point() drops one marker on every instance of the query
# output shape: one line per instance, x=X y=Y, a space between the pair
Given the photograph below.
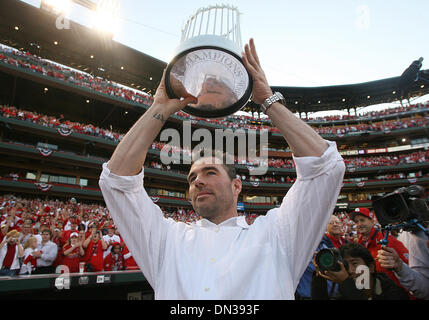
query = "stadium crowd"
x=54 y=232
x=38 y=235
x=356 y=162
x=387 y=160
x=36 y=64
x=90 y=129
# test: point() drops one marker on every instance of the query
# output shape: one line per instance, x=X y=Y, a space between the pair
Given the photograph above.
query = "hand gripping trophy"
x=207 y=64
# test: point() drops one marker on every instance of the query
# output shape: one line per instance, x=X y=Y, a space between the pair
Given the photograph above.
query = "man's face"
x=26 y=229
x=46 y=236
x=211 y=190
x=352 y=264
x=334 y=226
x=363 y=224
x=215 y=94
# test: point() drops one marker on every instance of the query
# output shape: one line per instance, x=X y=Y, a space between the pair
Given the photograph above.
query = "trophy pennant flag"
x=207 y=64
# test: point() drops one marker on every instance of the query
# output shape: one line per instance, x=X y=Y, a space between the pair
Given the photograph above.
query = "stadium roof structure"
x=350 y=96
x=87 y=50
x=78 y=46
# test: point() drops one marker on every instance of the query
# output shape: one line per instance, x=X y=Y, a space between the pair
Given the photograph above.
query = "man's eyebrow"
x=191 y=174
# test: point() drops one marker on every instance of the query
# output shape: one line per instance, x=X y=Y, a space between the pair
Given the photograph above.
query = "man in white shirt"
x=46 y=254
x=221 y=256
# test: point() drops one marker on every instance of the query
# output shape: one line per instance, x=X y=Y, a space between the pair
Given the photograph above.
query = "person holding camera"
x=95 y=247
x=10 y=252
x=415 y=276
x=370 y=237
x=357 y=277
x=333 y=238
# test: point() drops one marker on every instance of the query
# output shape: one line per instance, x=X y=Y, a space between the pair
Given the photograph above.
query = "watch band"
x=277 y=96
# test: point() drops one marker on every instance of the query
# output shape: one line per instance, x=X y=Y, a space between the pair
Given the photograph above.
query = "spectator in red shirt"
x=334 y=232
x=94 y=246
x=72 y=253
x=114 y=261
x=73 y=228
x=130 y=263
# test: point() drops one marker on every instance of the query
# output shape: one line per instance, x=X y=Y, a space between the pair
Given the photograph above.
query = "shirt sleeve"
x=415 y=276
x=414 y=281
x=140 y=222
x=304 y=213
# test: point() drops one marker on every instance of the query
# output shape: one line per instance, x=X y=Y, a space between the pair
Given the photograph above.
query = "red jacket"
x=130 y=263
x=111 y=261
x=337 y=243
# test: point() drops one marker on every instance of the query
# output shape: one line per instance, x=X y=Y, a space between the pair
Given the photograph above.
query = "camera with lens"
x=403 y=205
x=327 y=259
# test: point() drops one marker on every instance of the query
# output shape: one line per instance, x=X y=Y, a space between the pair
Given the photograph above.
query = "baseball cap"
x=362 y=211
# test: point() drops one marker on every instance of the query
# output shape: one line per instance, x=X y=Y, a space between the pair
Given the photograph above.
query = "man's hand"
x=261 y=89
x=301 y=138
x=335 y=276
x=389 y=259
x=173 y=105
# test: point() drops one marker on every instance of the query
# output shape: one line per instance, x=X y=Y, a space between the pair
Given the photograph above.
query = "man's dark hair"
x=357 y=251
x=226 y=160
x=230 y=170
x=48 y=231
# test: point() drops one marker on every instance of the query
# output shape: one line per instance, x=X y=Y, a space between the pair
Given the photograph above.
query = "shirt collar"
x=239 y=221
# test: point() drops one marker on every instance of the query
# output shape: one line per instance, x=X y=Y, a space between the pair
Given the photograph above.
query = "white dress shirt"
x=231 y=260
x=49 y=254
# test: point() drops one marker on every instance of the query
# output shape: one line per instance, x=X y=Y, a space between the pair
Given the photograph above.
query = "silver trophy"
x=207 y=64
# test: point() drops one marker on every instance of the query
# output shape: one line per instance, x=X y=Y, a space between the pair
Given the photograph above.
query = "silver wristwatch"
x=277 y=96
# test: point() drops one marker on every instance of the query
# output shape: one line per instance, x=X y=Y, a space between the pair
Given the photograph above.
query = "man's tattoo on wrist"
x=159 y=116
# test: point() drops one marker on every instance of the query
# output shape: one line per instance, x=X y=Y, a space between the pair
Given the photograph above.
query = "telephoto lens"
x=327 y=260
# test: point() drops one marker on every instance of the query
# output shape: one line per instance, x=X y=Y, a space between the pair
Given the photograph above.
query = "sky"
x=300 y=43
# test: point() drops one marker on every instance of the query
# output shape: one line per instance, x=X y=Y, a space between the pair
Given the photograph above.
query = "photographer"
x=415 y=276
x=406 y=209
x=379 y=286
x=331 y=239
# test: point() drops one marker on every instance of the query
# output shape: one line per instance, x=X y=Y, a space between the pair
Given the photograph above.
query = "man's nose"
x=199 y=181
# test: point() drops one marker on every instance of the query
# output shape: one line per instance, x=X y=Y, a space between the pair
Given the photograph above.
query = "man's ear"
x=237 y=186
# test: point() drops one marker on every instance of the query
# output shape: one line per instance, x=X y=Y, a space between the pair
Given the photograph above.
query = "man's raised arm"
x=298 y=225
x=130 y=154
x=140 y=221
x=302 y=139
